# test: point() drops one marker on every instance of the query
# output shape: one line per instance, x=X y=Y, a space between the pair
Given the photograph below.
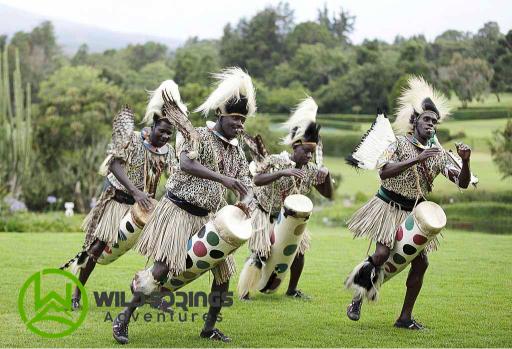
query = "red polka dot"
x=399 y=234
x=272 y=238
x=199 y=249
x=390 y=268
x=419 y=239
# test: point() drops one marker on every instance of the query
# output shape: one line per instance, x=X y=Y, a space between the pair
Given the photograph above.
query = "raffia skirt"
x=262 y=228
x=378 y=221
x=103 y=220
x=165 y=237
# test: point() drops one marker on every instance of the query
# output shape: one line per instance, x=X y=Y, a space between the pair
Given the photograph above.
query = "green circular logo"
x=44 y=303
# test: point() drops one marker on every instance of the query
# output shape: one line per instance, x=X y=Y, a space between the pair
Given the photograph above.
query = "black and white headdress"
x=417 y=98
x=234 y=94
x=302 y=126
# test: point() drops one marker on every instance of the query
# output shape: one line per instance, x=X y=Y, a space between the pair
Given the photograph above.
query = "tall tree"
x=340 y=24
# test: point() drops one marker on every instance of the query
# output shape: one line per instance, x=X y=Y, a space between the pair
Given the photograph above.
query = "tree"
x=77 y=107
x=502 y=79
x=138 y=56
x=15 y=127
x=341 y=25
x=501 y=149
x=468 y=77
x=196 y=61
x=258 y=44
x=308 y=33
x=486 y=41
x=39 y=52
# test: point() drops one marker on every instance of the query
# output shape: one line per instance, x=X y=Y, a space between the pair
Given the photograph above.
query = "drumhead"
x=233 y=222
x=430 y=217
x=141 y=216
x=299 y=203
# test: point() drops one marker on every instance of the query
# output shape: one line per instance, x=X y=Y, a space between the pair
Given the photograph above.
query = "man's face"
x=160 y=133
x=426 y=125
x=231 y=125
x=303 y=153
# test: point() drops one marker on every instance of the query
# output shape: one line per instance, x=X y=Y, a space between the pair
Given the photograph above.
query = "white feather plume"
x=303 y=115
x=156 y=101
x=411 y=101
x=232 y=83
x=373 y=144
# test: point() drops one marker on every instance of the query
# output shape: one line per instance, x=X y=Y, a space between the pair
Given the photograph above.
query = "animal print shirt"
x=218 y=155
x=271 y=196
x=405 y=183
x=137 y=157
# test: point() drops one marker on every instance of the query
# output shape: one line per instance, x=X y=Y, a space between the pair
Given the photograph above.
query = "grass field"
x=465 y=301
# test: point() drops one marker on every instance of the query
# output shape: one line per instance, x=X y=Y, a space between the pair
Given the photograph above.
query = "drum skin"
x=285 y=239
x=418 y=229
x=128 y=234
x=214 y=242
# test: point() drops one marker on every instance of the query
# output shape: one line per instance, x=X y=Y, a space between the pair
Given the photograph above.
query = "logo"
x=44 y=309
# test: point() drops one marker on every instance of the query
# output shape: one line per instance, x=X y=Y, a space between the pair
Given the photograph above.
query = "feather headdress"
x=302 y=123
x=417 y=98
x=156 y=102
x=234 y=94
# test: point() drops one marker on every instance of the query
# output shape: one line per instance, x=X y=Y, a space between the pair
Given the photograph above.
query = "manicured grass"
x=465 y=301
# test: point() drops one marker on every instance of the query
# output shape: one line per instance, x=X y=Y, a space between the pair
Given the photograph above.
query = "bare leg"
x=94 y=253
x=414 y=283
x=120 y=325
x=295 y=273
x=209 y=330
x=378 y=258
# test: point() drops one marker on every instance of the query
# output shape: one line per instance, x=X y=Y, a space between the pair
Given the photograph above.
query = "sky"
x=381 y=19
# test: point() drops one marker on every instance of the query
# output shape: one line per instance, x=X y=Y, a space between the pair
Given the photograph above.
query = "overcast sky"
x=205 y=19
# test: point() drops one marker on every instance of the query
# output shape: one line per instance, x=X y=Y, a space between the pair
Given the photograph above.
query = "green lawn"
x=465 y=301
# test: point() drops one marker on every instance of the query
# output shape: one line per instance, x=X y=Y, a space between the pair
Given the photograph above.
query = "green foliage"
x=481 y=113
x=492 y=217
x=55 y=222
x=339 y=145
x=469 y=77
x=501 y=149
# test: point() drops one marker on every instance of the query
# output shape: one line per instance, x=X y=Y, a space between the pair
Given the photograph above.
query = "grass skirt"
x=165 y=237
x=262 y=229
x=103 y=221
x=378 y=221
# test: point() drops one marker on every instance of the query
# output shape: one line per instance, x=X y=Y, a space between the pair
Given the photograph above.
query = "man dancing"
x=134 y=163
x=407 y=171
x=280 y=175
x=195 y=192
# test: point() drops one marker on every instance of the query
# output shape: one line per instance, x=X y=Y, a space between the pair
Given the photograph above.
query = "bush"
x=492 y=217
x=41 y=222
x=339 y=145
x=483 y=113
x=472 y=196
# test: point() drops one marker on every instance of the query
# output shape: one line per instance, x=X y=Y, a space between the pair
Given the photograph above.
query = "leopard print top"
x=271 y=196
x=405 y=183
x=216 y=155
x=134 y=156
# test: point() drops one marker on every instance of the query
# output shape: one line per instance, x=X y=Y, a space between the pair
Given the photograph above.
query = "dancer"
x=194 y=193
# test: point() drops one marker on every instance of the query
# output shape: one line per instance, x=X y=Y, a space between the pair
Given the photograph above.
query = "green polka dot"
x=281 y=268
x=300 y=229
x=203 y=265
x=212 y=238
x=289 y=250
x=189 y=275
x=409 y=222
x=176 y=282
